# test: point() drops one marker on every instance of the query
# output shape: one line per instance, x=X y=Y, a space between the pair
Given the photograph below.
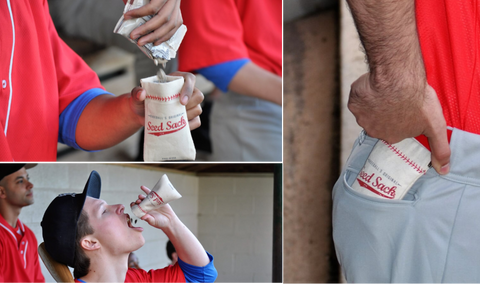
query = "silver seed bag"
x=160 y=53
x=167 y=133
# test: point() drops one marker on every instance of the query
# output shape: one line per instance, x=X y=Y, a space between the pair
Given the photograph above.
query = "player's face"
x=112 y=226
x=16 y=189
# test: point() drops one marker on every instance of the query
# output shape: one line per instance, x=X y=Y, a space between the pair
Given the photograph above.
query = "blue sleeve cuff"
x=197 y=274
x=221 y=74
x=70 y=115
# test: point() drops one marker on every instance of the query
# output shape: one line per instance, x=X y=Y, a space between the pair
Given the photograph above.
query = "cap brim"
x=93 y=185
x=29 y=166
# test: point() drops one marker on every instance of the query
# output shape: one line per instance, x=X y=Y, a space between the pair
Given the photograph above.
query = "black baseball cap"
x=8 y=169
x=59 y=223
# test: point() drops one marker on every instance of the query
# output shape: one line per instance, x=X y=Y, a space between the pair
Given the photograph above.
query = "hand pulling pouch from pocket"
x=167 y=134
x=392 y=169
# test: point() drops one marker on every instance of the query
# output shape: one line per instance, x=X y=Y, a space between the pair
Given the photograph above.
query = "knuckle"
x=198 y=110
x=444 y=154
x=372 y=132
x=134 y=91
x=392 y=140
x=146 y=30
x=197 y=121
x=190 y=76
x=350 y=106
x=151 y=9
x=199 y=95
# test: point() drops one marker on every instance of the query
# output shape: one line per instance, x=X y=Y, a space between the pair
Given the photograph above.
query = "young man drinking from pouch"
x=95 y=238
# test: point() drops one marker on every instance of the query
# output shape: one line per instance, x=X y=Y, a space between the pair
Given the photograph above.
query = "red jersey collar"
x=4 y=225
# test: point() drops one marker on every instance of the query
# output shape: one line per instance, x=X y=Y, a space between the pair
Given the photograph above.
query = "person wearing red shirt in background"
x=18 y=245
x=95 y=238
x=237 y=44
x=49 y=94
x=423 y=80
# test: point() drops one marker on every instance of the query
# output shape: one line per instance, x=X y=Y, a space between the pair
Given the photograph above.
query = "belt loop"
x=362 y=136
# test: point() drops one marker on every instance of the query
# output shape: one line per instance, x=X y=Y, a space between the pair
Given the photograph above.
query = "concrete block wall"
x=235 y=225
x=120 y=184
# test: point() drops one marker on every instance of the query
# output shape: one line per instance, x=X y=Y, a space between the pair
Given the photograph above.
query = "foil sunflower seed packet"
x=159 y=53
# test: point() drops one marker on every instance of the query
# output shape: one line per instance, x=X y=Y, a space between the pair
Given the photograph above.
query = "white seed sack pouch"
x=392 y=169
x=167 y=134
x=159 y=53
x=162 y=193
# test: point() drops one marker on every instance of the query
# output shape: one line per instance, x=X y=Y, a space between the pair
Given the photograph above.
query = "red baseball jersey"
x=448 y=33
x=169 y=274
x=40 y=75
x=18 y=254
x=225 y=30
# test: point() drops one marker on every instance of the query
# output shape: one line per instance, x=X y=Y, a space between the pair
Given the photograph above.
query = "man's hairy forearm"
x=388 y=33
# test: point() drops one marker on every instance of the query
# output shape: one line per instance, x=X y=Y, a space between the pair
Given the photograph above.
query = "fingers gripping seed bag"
x=167 y=134
x=160 y=53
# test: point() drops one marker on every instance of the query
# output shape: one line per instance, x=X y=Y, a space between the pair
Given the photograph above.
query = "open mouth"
x=129 y=221
x=130 y=225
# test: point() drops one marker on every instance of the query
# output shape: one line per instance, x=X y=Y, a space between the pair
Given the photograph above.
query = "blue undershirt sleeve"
x=70 y=115
x=221 y=74
x=197 y=274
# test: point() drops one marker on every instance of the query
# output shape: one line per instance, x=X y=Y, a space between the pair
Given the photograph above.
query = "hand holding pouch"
x=167 y=134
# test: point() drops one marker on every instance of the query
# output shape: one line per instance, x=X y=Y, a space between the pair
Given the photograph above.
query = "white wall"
x=236 y=225
x=231 y=215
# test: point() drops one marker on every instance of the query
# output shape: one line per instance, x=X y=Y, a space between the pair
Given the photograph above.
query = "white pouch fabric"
x=167 y=134
x=392 y=169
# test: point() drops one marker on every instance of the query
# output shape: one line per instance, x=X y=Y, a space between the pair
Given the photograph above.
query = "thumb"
x=437 y=132
x=138 y=94
x=188 y=86
x=440 y=151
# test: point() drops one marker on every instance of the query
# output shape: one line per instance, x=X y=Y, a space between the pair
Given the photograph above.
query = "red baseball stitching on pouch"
x=163 y=99
x=405 y=158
